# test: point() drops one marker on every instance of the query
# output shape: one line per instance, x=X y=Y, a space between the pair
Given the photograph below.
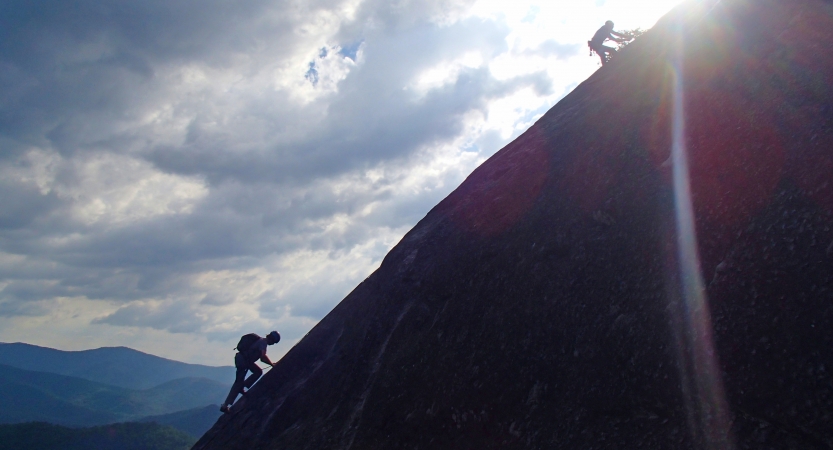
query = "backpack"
x=246 y=341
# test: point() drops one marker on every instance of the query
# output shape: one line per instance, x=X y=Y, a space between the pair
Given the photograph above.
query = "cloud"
x=205 y=168
x=20 y=205
x=552 y=47
x=175 y=316
x=14 y=309
x=357 y=129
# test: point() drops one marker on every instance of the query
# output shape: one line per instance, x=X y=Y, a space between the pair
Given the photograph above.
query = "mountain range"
x=116 y=366
x=113 y=385
x=45 y=397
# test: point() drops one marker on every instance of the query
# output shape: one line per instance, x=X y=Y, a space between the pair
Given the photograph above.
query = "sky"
x=177 y=173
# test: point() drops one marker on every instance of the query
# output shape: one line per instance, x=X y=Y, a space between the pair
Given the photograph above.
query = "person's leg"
x=602 y=51
x=237 y=387
x=256 y=373
x=607 y=52
x=597 y=48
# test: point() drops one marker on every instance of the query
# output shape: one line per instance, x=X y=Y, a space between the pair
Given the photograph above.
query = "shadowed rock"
x=545 y=303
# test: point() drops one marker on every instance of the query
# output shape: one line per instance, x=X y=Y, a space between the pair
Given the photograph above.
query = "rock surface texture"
x=553 y=300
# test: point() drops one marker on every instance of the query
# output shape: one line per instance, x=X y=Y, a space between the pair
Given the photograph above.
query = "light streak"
x=707 y=407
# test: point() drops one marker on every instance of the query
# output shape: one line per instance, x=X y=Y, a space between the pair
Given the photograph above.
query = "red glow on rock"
x=806 y=33
x=735 y=158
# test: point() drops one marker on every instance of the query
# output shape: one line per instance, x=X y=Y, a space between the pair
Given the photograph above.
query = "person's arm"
x=624 y=37
x=263 y=356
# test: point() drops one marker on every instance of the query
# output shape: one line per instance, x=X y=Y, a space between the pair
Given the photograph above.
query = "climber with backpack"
x=250 y=348
x=604 y=33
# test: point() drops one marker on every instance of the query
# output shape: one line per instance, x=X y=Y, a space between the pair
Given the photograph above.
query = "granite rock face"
x=550 y=302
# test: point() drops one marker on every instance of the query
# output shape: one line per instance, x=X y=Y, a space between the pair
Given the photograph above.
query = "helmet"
x=609 y=23
x=275 y=336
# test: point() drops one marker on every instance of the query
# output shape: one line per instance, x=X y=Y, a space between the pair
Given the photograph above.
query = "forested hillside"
x=120 y=436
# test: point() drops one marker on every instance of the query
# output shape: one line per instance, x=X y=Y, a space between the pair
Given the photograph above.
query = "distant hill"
x=23 y=403
x=120 y=436
x=193 y=421
x=117 y=366
x=37 y=396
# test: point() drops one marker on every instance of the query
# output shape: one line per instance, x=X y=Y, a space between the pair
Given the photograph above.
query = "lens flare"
x=706 y=401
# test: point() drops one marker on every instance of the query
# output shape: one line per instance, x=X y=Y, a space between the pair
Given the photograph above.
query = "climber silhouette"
x=250 y=348
x=606 y=32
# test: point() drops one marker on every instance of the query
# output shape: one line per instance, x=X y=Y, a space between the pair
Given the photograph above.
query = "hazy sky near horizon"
x=176 y=173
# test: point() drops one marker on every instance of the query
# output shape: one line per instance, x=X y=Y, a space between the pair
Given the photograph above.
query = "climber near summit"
x=597 y=43
x=250 y=348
